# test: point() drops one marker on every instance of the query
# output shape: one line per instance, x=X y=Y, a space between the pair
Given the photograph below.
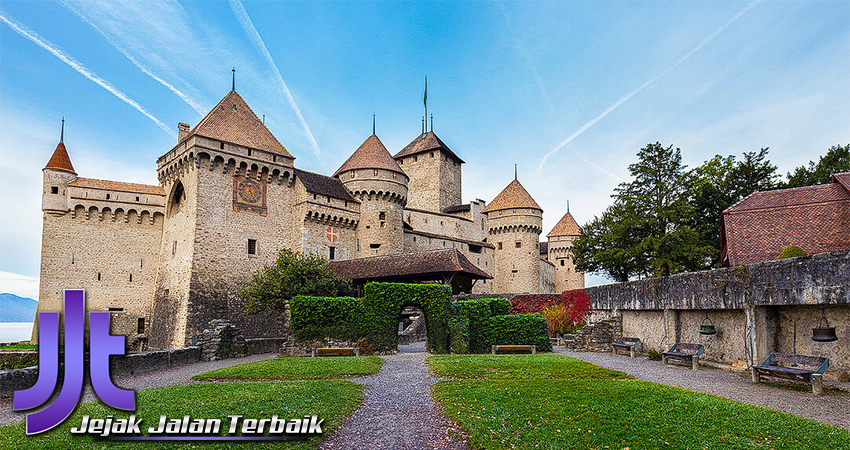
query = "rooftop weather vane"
x=515 y=176
x=425 y=101
x=62 y=133
x=233 y=86
x=373 y=124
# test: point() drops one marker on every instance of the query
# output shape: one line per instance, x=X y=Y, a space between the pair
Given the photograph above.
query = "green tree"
x=645 y=231
x=836 y=159
x=293 y=273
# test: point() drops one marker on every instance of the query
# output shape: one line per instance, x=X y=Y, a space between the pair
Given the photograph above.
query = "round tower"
x=514 y=224
x=57 y=174
x=560 y=253
x=376 y=180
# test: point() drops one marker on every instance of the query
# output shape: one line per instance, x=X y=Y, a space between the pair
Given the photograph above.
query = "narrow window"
x=131 y=278
x=519 y=245
x=173 y=248
x=500 y=245
x=141 y=263
x=252 y=246
x=140 y=328
x=414 y=238
x=315 y=197
x=54 y=189
x=441 y=223
x=73 y=258
x=329 y=199
x=221 y=145
x=562 y=262
x=98 y=276
x=382 y=215
x=432 y=154
x=107 y=196
x=137 y=198
x=274 y=158
x=415 y=158
x=358 y=245
x=249 y=152
x=331 y=253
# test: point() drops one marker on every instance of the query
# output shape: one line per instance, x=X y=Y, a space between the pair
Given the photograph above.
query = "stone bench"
x=336 y=351
x=627 y=344
x=799 y=368
x=683 y=353
x=507 y=349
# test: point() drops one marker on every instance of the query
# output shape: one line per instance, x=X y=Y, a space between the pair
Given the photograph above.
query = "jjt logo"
x=102 y=344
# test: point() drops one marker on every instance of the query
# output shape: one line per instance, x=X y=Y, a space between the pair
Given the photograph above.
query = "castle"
x=167 y=259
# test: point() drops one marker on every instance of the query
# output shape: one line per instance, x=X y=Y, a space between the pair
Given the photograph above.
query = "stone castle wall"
x=435 y=180
x=560 y=254
x=515 y=234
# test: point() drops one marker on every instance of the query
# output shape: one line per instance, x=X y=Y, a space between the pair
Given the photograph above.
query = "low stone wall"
x=754 y=308
x=258 y=346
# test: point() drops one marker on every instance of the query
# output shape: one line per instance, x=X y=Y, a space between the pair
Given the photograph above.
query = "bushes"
x=324 y=317
x=519 y=329
x=478 y=313
x=792 y=251
x=527 y=304
x=459 y=334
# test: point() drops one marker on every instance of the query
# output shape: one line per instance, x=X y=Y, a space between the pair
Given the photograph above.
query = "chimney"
x=182 y=131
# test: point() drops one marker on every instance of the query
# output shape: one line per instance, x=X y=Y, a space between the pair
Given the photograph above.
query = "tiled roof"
x=427 y=142
x=456 y=209
x=513 y=196
x=324 y=185
x=567 y=226
x=816 y=218
x=60 y=160
x=233 y=121
x=843 y=178
x=370 y=155
x=431 y=262
x=544 y=248
x=120 y=186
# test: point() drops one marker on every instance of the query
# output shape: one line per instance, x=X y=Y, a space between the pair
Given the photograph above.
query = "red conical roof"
x=567 y=226
x=370 y=155
x=60 y=160
x=513 y=196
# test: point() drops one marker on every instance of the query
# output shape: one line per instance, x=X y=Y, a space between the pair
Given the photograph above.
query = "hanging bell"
x=823 y=332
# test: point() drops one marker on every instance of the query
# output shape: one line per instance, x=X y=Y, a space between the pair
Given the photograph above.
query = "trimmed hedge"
x=324 y=317
x=478 y=312
x=499 y=306
x=519 y=329
x=383 y=302
x=459 y=334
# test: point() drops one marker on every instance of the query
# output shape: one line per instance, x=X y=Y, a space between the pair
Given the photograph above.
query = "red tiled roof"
x=815 y=218
x=233 y=121
x=60 y=160
x=120 y=186
x=843 y=178
x=513 y=196
x=430 y=262
x=370 y=155
x=567 y=226
x=427 y=142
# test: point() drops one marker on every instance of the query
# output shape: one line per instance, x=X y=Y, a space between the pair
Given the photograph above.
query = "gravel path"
x=157 y=378
x=831 y=409
x=398 y=412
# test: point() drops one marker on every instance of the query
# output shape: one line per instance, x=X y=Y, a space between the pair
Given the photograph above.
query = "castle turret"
x=376 y=180
x=57 y=173
x=514 y=224
x=561 y=239
x=434 y=171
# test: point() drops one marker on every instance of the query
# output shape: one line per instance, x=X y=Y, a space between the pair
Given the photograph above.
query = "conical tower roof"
x=370 y=155
x=567 y=226
x=427 y=142
x=232 y=120
x=60 y=160
x=513 y=196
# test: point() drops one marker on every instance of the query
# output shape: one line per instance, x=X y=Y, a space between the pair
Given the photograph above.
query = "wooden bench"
x=799 y=368
x=496 y=349
x=684 y=353
x=626 y=343
x=336 y=351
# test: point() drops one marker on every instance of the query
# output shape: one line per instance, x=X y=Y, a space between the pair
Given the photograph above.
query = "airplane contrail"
x=631 y=94
x=82 y=70
x=251 y=30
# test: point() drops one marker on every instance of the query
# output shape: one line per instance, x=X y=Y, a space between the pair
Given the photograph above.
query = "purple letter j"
x=102 y=345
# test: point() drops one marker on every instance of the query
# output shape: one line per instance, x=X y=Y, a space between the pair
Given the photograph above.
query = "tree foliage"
x=293 y=273
x=836 y=160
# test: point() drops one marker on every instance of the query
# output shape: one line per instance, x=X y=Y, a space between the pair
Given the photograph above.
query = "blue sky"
x=587 y=83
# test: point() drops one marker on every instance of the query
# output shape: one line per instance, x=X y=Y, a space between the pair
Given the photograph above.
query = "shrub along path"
x=398 y=412
x=832 y=409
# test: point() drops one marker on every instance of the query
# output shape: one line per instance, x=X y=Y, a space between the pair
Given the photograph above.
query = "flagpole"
x=425 y=100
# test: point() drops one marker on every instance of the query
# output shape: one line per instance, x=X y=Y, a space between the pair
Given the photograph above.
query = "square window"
x=221 y=145
x=331 y=253
x=54 y=189
x=137 y=198
x=252 y=246
x=519 y=245
x=107 y=196
x=562 y=262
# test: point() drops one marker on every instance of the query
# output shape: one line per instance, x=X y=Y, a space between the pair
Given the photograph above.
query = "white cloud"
x=20 y=285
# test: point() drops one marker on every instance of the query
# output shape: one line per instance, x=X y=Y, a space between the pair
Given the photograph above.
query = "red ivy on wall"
x=576 y=300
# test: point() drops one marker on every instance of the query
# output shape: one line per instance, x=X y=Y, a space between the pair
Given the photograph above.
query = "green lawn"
x=571 y=412
x=517 y=367
x=332 y=401
x=298 y=369
x=20 y=347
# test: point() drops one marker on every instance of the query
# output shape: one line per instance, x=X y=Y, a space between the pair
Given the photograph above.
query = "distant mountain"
x=17 y=309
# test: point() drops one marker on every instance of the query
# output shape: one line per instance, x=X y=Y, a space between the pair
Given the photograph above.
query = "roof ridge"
x=514 y=195
x=371 y=154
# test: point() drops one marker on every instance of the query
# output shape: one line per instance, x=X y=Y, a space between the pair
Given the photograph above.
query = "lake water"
x=14 y=331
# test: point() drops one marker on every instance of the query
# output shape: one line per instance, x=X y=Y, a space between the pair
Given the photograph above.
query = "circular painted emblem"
x=250 y=191
x=333 y=234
